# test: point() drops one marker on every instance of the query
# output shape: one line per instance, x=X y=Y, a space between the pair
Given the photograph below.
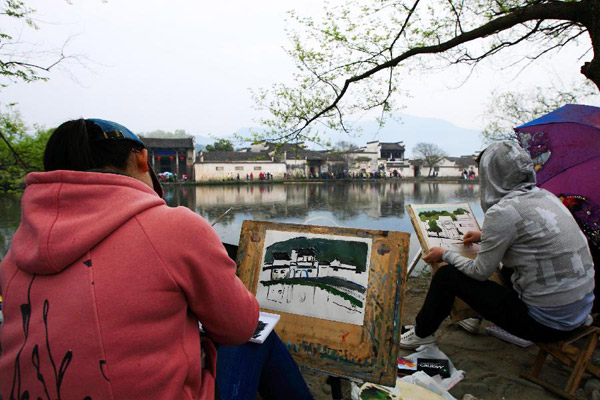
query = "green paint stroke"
x=323 y=283
x=346 y=251
x=434 y=215
x=373 y=393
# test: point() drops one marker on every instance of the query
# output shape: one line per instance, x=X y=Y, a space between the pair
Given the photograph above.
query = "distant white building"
x=296 y=161
x=228 y=165
x=303 y=263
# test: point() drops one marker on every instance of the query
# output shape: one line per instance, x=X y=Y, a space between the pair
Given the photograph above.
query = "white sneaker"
x=410 y=341
x=470 y=325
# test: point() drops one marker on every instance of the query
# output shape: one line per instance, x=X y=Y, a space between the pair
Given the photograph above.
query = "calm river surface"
x=369 y=205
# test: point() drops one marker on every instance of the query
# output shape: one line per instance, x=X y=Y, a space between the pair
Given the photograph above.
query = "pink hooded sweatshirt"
x=103 y=288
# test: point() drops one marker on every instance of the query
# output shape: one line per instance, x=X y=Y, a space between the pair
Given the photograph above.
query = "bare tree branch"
x=537 y=11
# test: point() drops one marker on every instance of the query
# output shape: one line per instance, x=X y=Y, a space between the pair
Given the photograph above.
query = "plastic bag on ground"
x=435 y=387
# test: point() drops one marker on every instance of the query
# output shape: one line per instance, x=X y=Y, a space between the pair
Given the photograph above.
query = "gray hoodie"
x=527 y=229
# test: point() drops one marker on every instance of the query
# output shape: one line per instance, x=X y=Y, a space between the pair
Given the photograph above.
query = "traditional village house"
x=448 y=167
x=449 y=230
x=302 y=162
x=171 y=155
x=227 y=165
x=383 y=157
x=304 y=263
x=454 y=166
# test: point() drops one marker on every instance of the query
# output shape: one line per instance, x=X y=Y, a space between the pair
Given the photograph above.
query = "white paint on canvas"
x=321 y=276
x=444 y=225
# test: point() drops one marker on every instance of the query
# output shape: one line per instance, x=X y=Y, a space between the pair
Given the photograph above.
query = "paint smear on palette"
x=322 y=276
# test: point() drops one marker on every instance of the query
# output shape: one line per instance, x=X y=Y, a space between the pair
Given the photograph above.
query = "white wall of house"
x=373 y=147
x=216 y=171
x=406 y=171
x=447 y=168
x=296 y=168
x=363 y=161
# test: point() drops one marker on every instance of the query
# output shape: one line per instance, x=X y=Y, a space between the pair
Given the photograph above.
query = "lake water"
x=368 y=205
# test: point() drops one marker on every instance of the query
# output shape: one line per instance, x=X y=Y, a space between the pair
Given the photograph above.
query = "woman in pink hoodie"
x=104 y=284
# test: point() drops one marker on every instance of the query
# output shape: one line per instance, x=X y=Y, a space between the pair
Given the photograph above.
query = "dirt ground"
x=492 y=367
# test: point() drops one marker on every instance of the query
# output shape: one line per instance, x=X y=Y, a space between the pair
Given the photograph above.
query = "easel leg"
x=336 y=387
x=414 y=263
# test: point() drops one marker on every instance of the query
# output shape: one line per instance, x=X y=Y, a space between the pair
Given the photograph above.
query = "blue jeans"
x=268 y=369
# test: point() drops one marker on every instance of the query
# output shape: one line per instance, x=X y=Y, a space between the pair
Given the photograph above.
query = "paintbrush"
x=221 y=216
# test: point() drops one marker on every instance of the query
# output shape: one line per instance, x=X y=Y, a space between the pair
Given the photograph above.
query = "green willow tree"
x=357 y=57
x=20 y=152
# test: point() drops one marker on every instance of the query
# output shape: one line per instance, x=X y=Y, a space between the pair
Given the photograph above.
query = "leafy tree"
x=431 y=154
x=356 y=57
x=220 y=145
x=507 y=110
x=433 y=227
x=20 y=152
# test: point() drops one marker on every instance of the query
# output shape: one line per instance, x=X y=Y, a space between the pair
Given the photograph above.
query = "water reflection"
x=369 y=205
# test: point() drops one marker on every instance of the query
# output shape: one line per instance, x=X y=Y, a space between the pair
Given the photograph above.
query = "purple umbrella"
x=565 y=148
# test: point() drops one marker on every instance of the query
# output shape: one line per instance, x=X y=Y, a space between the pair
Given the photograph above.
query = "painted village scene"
x=444 y=225
x=315 y=275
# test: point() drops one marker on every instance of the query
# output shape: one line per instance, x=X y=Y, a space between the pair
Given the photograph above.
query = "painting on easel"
x=339 y=292
x=444 y=225
x=322 y=276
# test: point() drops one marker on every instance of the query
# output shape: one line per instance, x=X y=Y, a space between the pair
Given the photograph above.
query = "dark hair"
x=79 y=145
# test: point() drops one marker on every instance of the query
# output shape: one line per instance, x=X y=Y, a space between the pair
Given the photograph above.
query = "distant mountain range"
x=456 y=141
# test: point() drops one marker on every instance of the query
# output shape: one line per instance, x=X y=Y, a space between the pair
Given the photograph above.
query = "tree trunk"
x=591 y=69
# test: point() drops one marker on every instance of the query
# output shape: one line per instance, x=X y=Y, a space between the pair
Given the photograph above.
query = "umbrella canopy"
x=565 y=148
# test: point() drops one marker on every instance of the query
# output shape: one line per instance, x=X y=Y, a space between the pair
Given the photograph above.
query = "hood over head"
x=504 y=168
x=64 y=214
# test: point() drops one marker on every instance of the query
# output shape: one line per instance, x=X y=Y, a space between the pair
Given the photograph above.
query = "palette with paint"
x=266 y=324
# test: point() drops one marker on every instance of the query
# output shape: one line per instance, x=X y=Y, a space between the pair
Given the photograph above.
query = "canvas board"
x=339 y=292
x=322 y=276
x=444 y=225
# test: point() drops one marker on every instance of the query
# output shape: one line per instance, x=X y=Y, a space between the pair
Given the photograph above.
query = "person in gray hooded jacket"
x=534 y=236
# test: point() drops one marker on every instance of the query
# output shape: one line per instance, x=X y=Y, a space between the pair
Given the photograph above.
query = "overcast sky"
x=185 y=64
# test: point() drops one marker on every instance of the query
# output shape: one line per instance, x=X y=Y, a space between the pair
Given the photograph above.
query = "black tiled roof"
x=281 y=255
x=307 y=252
x=314 y=155
x=281 y=147
x=162 y=143
x=228 y=156
x=463 y=161
x=391 y=146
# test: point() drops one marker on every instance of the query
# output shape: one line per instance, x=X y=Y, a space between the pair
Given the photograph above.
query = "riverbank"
x=491 y=366
x=310 y=181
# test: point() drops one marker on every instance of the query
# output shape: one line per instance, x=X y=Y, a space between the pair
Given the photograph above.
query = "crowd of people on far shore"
x=343 y=174
x=468 y=175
